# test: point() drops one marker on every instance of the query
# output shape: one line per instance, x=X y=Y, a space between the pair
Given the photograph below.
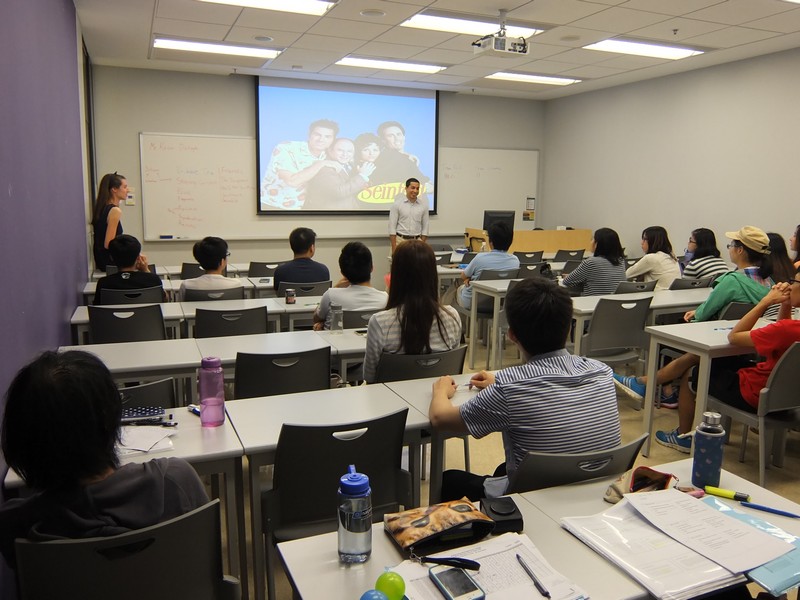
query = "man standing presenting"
x=408 y=217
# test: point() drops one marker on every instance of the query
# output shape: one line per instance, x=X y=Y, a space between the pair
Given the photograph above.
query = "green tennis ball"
x=391 y=584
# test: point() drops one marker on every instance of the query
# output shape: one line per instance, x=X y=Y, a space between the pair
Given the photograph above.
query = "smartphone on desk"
x=455 y=583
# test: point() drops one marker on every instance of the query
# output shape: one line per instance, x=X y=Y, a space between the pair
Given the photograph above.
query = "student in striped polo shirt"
x=554 y=402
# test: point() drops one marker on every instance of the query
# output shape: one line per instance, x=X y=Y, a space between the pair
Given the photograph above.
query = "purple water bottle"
x=211 y=389
x=709 y=439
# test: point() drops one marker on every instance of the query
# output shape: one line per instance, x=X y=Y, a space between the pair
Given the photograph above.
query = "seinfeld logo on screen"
x=385 y=193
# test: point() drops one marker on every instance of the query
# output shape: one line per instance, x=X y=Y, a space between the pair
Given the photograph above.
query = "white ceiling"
x=121 y=33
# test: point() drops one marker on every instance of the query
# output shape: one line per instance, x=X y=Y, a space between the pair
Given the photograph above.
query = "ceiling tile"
x=415 y=37
x=574 y=37
x=628 y=63
x=469 y=71
x=343 y=71
x=579 y=56
x=619 y=19
x=670 y=7
x=785 y=22
x=348 y=29
x=545 y=67
x=730 y=37
x=591 y=72
x=271 y=19
x=382 y=50
x=396 y=75
x=736 y=12
x=500 y=62
x=557 y=12
x=458 y=42
x=676 y=30
x=201 y=57
x=443 y=79
x=324 y=43
x=190 y=29
x=246 y=35
x=395 y=12
x=440 y=56
x=202 y=12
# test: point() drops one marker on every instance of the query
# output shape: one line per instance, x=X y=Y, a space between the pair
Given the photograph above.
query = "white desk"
x=708 y=340
x=258 y=424
x=263 y=287
x=226 y=348
x=496 y=290
x=274 y=309
x=417 y=393
x=349 y=346
x=79 y=322
x=302 y=309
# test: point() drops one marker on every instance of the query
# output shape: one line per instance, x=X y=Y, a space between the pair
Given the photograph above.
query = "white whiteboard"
x=471 y=180
x=194 y=185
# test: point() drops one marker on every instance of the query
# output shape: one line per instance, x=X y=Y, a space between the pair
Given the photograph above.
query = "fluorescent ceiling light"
x=533 y=78
x=642 y=49
x=349 y=61
x=303 y=7
x=215 y=48
x=453 y=25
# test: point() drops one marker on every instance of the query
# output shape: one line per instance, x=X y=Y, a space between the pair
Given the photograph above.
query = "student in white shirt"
x=659 y=262
x=212 y=254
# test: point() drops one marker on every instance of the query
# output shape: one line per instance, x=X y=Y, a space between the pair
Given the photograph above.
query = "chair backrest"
x=467 y=257
x=234 y=293
x=617 y=324
x=310 y=459
x=289 y=373
x=155 y=393
x=531 y=270
x=687 y=284
x=263 y=269
x=443 y=259
x=397 y=367
x=440 y=247
x=314 y=288
x=356 y=319
x=134 y=324
x=565 y=255
x=497 y=274
x=528 y=258
x=137 y=296
x=191 y=270
x=540 y=470
x=112 y=269
x=735 y=310
x=218 y=323
x=780 y=393
x=629 y=262
x=633 y=287
x=179 y=558
x=570 y=266
x=152 y=269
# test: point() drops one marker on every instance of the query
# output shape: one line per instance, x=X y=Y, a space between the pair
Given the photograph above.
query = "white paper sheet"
x=144 y=438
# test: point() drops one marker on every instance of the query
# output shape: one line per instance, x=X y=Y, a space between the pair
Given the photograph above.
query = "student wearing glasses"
x=703 y=256
x=212 y=254
x=736 y=380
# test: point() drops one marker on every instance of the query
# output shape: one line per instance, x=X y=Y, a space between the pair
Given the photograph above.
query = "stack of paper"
x=674 y=545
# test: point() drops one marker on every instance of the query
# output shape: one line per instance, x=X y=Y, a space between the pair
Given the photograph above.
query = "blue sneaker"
x=670 y=401
x=629 y=386
x=682 y=442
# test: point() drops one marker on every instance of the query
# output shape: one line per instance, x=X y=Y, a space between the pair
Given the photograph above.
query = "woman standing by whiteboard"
x=106 y=217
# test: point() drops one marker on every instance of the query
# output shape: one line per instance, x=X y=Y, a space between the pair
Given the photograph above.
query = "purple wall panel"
x=42 y=229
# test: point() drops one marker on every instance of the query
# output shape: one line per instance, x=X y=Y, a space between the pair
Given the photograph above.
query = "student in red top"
x=736 y=380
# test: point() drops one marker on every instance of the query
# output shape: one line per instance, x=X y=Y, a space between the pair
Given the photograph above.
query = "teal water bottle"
x=709 y=438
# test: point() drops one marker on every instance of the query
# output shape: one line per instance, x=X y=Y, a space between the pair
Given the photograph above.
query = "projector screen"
x=343 y=149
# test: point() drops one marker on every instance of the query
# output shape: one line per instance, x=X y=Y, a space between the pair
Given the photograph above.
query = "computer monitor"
x=495 y=216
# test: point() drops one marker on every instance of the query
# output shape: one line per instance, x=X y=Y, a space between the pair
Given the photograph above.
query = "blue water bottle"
x=709 y=439
x=355 y=517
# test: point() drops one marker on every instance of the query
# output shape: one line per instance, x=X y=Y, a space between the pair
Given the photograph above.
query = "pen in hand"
x=539 y=586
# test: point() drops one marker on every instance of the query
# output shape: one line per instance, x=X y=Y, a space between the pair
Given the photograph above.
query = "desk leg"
x=259 y=560
x=415 y=465
x=496 y=358
x=437 y=466
x=650 y=394
x=473 y=331
x=703 y=375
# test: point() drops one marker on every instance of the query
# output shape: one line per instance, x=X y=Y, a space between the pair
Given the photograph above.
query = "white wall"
x=714 y=148
x=128 y=101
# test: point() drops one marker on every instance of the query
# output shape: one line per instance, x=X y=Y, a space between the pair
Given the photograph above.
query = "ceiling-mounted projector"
x=500 y=45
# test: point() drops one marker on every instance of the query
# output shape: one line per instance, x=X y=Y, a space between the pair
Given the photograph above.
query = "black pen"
x=539 y=586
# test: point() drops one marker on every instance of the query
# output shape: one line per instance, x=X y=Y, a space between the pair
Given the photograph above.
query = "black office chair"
x=467 y=257
x=735 y=311
x=529 y=258
x=218 y=323
x=616 y=332
x=565 y=255
x=540 y=470
x=315 y=288
x=357 y=319
x=235 y=293
x=440 y=247
x=633 y=287
x=529 y=270
x=570 y=266
x=289 y=373
x=179 y=558
x=687 y=284
x=136 y=296
x=191 y=271
x=263 y=269
x=310 y=459
x=130 y=324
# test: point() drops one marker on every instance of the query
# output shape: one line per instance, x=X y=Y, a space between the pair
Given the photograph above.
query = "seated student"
x=794 y=245
x=658 y=262
x=302 y=269
x=749 y=251
x=498 y=259
x=736 y=380
x=354 y=292
x=134 y=272
x=414 y=322
x=703 y=256
x=602 y=272
x=555 y=402
x=59 y=433
x=212 y=254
